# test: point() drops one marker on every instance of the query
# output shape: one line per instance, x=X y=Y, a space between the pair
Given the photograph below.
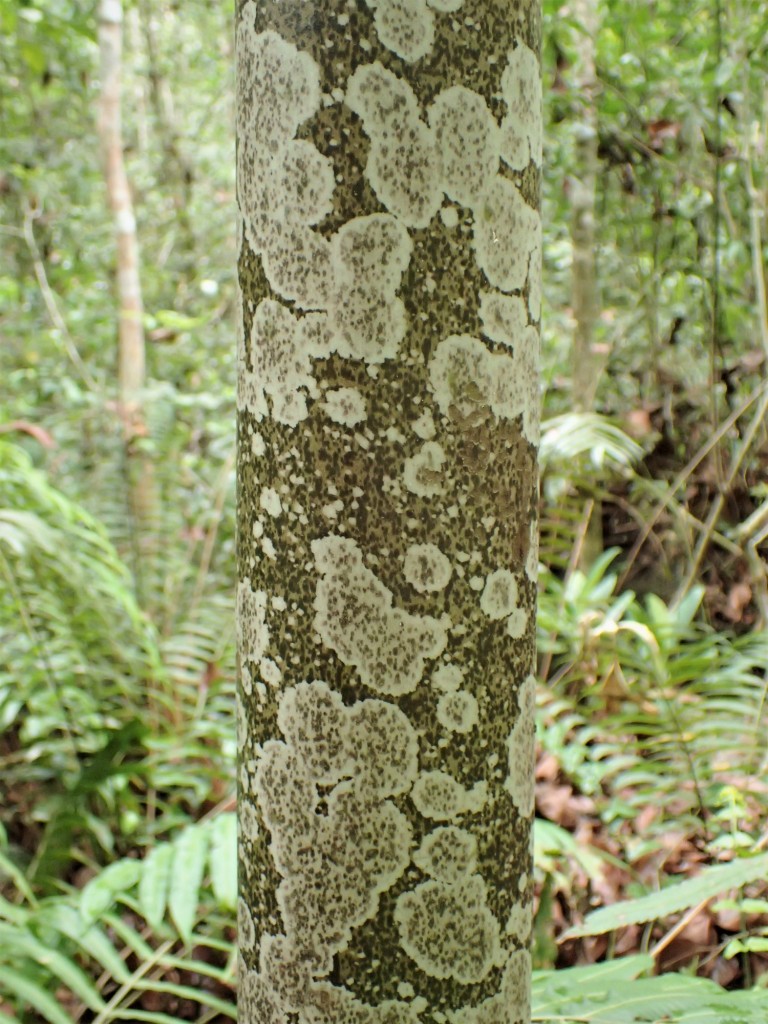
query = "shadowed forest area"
x=117 y=508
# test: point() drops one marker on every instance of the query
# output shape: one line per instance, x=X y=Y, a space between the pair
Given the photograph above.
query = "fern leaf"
x=20 y=942
x=706 y=885
x=155 y=882
x=102 y=891
x=223 y=860
x=190 y=853
x=92 y=940
x=25 y=990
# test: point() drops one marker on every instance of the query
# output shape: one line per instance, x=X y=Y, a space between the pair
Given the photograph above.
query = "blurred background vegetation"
x=117 y=776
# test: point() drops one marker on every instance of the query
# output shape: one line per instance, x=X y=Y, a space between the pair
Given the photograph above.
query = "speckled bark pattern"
x=388 y=184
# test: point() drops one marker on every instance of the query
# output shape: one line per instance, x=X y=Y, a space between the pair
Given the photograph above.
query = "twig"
x=717 y=506
x=683 y=475
x=684 y=921
x=49 y=297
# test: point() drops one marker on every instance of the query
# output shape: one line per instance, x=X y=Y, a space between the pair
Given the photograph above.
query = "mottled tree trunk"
x=390 y=252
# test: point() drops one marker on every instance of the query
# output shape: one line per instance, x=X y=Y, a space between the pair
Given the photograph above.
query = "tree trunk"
x=587 y=362
x=131 y=344
x=131 y=359
x=390 y=253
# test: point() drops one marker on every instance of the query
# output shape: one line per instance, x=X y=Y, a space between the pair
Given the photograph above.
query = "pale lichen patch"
x=521 y=129
x=458 y=712
x=449 y=931
x=517 y=623
x=376 y=247
x=328 y=1004
x=366 y=320
x=505 y=233
x=270 y=672
x=252 y=629
x=254 y=998
x=521 y=750
x=439 y=797
x=449 y=215
x=345 y=406
x=448 y=678
x=278 y=86
x=448 y=854
x=246 y=930
x=306 y=176
x=504 y=317
x=467 y=140
x=386 y=761
x=406 y=27
x=520 y=922
x=355 y=617
x=335 y=863
x=511 y=1005
x=466 y=377
x=281 y=364
x=403 y=164
x=269 y=500
x=500 y=595
x=426 y=568
x=313 y=719
x=297 y=263
x=424 y=426
x=285 y=972
x=422 y=472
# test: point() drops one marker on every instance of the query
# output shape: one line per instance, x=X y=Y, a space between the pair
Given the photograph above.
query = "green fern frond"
x=183 y=890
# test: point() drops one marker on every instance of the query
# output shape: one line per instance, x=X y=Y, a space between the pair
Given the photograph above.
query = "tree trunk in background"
x=587 y=360
x=587 y=364
x=131 y=345
x=177 y=166
x=390 y=253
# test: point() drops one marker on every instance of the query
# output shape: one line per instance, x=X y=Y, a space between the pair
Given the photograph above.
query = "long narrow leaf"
x=23 y=943
x=709 y=883
x=154 y=883
x=191 y=849
x=222 y=860
x=18 y=986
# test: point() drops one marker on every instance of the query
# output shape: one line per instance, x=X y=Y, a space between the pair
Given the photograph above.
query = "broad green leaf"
x=190 y=851
x=709 y=883
x=155 y=883
x=223 y=860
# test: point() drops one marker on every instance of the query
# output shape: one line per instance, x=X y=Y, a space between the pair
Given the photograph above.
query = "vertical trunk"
x=177 y=166
x=586 y=361
x=131 y=345
x=131 y=360
x=388 y=185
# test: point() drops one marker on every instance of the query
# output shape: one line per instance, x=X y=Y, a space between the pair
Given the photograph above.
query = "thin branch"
x=49 y=298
